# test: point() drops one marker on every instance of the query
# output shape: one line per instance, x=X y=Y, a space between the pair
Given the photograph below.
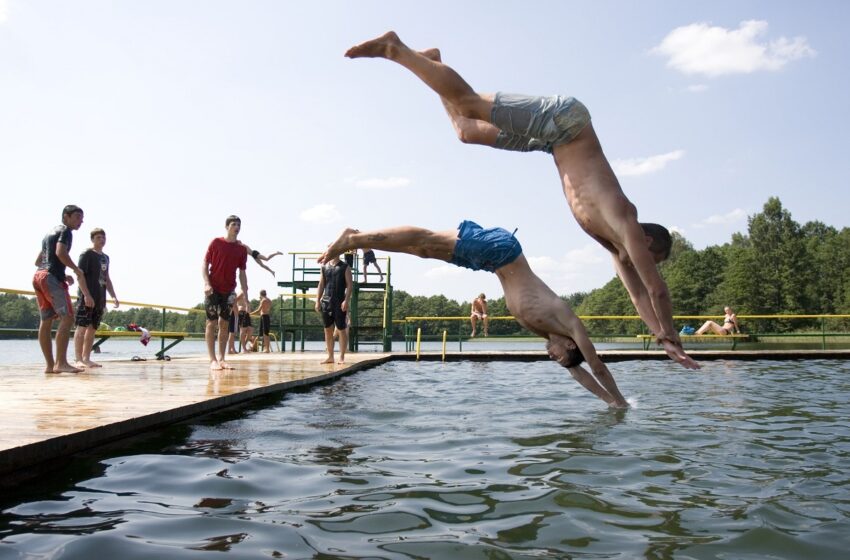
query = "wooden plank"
x=47 y=416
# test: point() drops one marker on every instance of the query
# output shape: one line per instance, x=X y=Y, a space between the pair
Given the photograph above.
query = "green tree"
x=780 y=259
x=692 y=279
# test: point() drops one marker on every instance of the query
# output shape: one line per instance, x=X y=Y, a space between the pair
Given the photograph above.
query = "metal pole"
x=281 y=330
x=445 y=333
x=162 y=343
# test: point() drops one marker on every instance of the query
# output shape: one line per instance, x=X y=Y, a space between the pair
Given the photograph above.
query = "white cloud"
x=572 y=262
x=641 y=166
x=578 y=270
x=380 y=183
x=715 y=51
x=321 y=214
x=728 y=218
x=4 y=11
x=677 y=229
x=696 y=88
x=444 y=271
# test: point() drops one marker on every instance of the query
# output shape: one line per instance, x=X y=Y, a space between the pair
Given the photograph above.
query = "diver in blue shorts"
x=561 y=126
x=534 y=305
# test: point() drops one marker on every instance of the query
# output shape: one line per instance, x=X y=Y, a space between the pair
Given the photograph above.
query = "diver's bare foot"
x=215 y=366
x=49 y=369
x=79 y=364
x=273 y=255
x=339 y=246
x=89 y=363
x=341 y=361
x=328 y=361
x=66 y=368
x=384 y=46
x=225 y=365
x=678 y=355
x=433 y=54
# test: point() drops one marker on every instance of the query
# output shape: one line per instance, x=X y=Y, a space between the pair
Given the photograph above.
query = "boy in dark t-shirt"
x=335 y=288
x=51 y=289
x=95 y=265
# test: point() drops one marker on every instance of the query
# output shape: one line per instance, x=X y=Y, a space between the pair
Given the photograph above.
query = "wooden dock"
x=46 y=418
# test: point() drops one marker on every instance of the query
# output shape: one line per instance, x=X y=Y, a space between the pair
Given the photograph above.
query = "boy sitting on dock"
x=535 y=306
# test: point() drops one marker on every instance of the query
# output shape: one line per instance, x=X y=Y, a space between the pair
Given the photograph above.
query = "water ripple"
x=482 y=460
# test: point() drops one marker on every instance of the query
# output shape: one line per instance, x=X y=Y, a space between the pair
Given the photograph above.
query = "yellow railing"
x=633 y=317
x=123 y=302
x=412 y=322
x=164 y=308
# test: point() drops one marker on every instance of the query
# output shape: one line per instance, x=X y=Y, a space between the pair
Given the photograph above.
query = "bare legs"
x=83 y=342
x=405 y=239
x=60 y=364
x=713 y=327
x=343 y=345
x=209 y=336
x=442 y=79
x=473 y=319
x=231 y=343
x=342 y=334
x=245 y=338
x=366 y=273
x=45 y=340
x=231 y=335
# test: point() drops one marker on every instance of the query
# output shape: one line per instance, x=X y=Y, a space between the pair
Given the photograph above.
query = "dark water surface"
x=741 y=460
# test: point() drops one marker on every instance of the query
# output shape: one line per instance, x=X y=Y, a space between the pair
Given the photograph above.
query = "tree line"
x=777 y=267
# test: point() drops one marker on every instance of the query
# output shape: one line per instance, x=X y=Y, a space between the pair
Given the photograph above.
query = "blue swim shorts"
x=484 y=249
x=528 y=123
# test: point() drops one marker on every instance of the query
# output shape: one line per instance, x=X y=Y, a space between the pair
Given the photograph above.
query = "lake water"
x=741 y=460
x=27 y=351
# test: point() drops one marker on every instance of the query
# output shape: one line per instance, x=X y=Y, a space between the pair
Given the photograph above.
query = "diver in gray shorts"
x=528 y=123
x=561 y=126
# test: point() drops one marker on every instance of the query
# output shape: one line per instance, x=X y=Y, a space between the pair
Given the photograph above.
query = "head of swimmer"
x=659 y=241
x=564 y=350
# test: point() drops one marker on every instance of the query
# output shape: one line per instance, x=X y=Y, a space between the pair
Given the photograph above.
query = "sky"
x=161 y=118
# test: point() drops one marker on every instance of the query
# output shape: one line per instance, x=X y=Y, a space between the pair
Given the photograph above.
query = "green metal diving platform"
x=371 y=304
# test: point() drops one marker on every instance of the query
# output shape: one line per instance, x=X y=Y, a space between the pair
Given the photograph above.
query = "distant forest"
x=778 y=267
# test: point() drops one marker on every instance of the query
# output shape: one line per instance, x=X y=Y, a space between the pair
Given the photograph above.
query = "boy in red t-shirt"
x=224 y=256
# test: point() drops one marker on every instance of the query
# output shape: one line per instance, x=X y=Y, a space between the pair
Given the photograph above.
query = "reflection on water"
x=481 y=460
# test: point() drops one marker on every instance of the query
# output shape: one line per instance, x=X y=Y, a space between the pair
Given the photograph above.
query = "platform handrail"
x=124 y=302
